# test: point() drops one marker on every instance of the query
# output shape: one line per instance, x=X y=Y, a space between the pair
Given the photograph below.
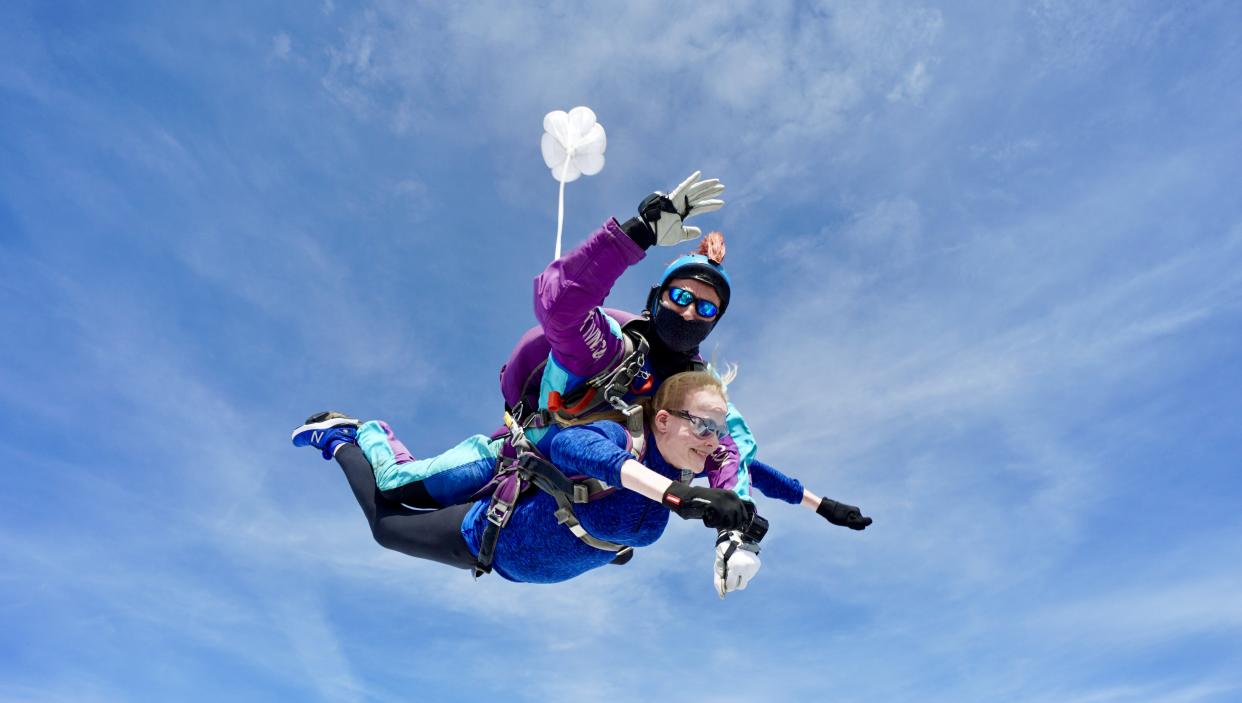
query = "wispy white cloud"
x=1151 y=614
x=769 y=80
x=913 y=85
x=977 y=331
x=282 y=46
x=1071 y=36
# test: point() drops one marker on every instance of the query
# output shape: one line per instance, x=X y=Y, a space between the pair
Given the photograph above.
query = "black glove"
x=715 y=506
x=841 y=514
x=640 y=232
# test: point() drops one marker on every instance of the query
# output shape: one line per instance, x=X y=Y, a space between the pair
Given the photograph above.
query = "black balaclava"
x=677 y=333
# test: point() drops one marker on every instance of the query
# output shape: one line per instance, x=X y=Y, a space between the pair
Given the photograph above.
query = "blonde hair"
x=676 y=388
x=671 y=396
x=725 y=371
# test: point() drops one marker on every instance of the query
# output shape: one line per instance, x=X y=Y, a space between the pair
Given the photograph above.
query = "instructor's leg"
x=427 y=535
x=449 y=478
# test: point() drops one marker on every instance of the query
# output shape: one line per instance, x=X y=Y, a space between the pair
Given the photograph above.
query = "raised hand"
x=666 y=214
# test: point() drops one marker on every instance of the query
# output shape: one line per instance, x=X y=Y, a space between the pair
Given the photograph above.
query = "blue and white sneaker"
x=327 y=432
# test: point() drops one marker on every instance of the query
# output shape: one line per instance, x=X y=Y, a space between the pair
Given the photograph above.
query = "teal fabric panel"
x=746 y=449
x=390 y=474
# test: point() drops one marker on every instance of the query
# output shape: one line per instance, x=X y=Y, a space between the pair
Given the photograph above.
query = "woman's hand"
x=841 y=514
x=715 y=506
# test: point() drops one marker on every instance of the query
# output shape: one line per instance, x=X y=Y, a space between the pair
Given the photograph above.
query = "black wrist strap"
x=674 y=495
x=638 y=231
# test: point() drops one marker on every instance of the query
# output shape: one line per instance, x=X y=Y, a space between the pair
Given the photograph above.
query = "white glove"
x=665 y=214
x=737 y=562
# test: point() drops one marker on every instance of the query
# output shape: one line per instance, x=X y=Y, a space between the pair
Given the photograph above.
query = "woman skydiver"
x=586 y=359
x=683 y=428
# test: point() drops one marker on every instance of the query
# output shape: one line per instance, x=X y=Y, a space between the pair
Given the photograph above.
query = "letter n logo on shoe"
x=316 y=437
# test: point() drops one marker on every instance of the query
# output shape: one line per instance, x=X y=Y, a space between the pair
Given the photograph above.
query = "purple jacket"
x=569 y=292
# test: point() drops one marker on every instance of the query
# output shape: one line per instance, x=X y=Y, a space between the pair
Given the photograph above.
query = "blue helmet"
x=700 y=268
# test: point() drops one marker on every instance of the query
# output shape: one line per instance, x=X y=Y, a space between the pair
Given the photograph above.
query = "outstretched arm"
x=597 y=450
x=716 y=507
x=774 y=484
x=644 y=481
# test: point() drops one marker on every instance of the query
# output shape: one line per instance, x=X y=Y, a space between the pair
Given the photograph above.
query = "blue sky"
x=988 y=268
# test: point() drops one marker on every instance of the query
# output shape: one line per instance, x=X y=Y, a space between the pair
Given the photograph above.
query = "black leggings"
x=434 y=535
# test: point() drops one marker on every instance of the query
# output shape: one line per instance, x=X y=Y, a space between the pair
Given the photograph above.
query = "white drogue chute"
x=573 y=145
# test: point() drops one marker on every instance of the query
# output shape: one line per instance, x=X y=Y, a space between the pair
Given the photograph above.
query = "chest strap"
x=608 y=388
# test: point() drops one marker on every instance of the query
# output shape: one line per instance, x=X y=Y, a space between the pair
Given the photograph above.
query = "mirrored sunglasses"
x=701 y=426
x=683 y=297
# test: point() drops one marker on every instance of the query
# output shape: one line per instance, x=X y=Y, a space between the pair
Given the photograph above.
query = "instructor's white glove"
x=665 y=214
x=737 y=562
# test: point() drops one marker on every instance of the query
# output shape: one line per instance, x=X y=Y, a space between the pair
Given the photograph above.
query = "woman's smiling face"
x=677 y=437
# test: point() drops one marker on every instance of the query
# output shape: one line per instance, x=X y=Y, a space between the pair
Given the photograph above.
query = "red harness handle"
x=555 y=402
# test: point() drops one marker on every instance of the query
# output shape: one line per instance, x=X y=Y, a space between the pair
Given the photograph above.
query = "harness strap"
x=549 y=479
x=608 y=386
x=508 y=487
x=487 y=550
x=724 y=571
x=633 y=426
x=513 y=478
x=566 y=517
